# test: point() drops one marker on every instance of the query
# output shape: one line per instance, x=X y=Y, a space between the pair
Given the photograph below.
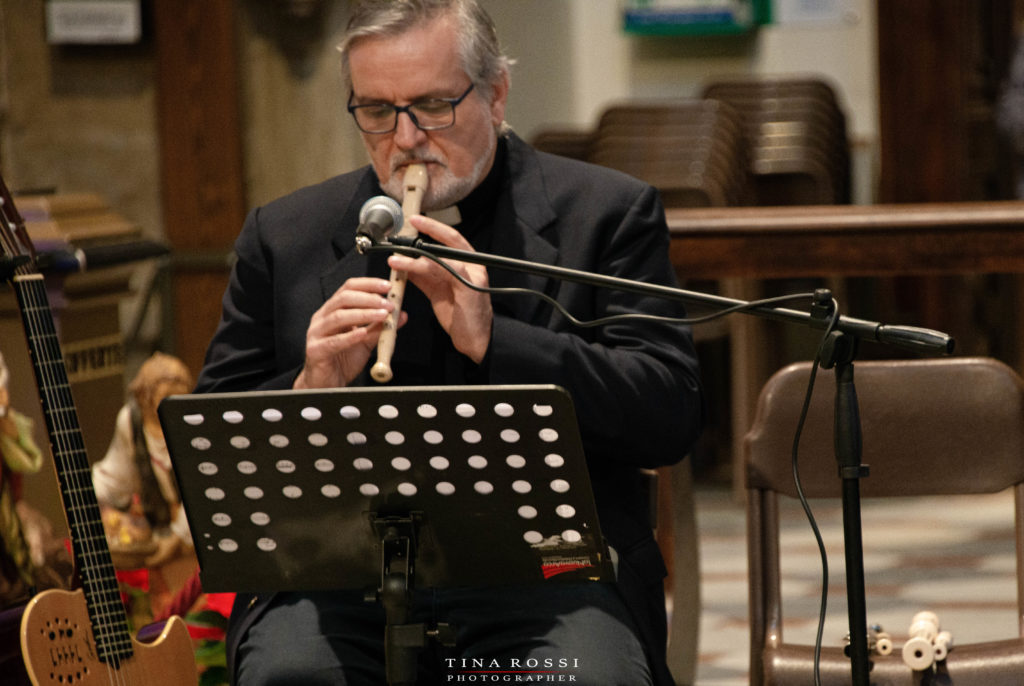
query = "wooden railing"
x=848 y=240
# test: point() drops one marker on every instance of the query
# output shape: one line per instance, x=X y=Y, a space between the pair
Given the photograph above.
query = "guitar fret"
x=111 y=614
x=94 y=539
x=84 y=489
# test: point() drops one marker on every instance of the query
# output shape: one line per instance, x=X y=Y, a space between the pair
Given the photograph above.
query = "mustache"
x=402 y=159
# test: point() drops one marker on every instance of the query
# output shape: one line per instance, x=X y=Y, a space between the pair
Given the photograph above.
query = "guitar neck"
x=92 y=556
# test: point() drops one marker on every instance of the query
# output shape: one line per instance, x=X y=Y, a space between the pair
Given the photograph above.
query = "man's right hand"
x=343 y=333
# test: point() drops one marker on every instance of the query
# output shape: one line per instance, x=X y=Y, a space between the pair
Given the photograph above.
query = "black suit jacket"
x=635 y=385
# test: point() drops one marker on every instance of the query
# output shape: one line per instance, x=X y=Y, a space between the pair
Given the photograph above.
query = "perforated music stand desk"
x=286 y=490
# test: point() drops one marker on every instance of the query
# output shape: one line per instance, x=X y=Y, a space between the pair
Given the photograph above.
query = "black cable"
x=833 y=320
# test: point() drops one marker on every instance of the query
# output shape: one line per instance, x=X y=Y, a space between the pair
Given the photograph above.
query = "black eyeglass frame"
x=398 y=109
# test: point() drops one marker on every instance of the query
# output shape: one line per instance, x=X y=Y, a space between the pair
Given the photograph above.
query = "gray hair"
x=481 y=55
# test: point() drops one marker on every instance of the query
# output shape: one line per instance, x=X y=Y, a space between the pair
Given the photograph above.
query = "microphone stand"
x=839 y=353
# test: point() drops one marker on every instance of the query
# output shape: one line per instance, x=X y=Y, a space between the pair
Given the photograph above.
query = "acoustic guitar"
x=80 y=636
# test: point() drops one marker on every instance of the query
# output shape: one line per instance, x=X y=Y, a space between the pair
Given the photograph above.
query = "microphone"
x=378 y=217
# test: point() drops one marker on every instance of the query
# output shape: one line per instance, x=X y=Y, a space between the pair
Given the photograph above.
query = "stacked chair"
x=691 y=150
x=795 y=137
x=768 y=141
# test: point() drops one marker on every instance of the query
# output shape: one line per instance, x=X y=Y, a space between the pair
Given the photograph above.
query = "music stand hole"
x=259 y=518
x=527 y=511
x=554 y=461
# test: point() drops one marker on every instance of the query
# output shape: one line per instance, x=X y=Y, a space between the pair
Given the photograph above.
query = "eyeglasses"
x=427 y=115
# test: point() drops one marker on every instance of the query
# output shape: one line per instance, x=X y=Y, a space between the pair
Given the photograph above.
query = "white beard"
x=444 y=190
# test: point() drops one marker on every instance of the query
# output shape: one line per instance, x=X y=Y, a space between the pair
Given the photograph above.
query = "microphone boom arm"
x=917 y=339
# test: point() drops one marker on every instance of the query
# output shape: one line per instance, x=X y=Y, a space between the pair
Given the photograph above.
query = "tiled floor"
x=952 y=556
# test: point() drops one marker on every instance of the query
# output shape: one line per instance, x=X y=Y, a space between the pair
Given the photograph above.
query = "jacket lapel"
x=524 y=230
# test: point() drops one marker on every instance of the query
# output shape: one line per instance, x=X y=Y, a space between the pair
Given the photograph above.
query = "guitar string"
x=61 y=434
x=31 y=311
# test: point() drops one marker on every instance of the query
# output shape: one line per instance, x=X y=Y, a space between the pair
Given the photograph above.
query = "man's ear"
x=499 y=98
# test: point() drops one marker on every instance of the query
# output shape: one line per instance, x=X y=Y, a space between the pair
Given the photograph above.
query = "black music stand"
x=385 y=489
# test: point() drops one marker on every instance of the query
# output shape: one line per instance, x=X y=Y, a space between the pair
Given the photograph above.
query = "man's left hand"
x=464 y=313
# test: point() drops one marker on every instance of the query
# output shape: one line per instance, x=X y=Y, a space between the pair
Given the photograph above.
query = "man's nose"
x=407 y=134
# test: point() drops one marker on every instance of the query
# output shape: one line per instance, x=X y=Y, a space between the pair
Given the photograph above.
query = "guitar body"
x=58 y=646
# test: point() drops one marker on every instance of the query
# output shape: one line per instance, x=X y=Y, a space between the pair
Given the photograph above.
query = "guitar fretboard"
x=95 y=567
